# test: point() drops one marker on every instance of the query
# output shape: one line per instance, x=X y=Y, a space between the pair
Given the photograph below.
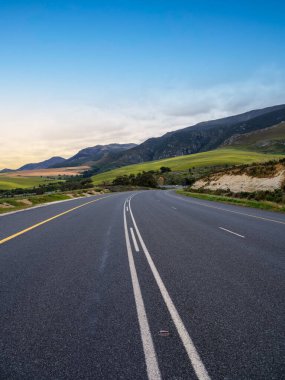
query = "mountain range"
x=87 y=156
x=96 y=154
x=201 y=137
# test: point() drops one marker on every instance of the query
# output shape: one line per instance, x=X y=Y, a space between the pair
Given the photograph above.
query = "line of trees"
x=71 y=183
x=144 y=179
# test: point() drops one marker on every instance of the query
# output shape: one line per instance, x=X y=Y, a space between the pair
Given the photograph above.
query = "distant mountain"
x=88 y=156
x=6 y=170
x=96 y=155
x=44 y=164
x=198 y=138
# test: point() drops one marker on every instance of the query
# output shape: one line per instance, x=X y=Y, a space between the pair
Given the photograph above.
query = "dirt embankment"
x=249 y=179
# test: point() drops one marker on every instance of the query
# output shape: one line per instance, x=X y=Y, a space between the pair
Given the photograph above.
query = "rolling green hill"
x=216 y=157
x=269 y=140
x=8 y=183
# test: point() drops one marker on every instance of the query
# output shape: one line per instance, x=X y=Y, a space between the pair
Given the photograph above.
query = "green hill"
x=8 y=182
x=218 y=157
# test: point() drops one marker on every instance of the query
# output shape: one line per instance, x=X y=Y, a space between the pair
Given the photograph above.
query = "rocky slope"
x=267 y=140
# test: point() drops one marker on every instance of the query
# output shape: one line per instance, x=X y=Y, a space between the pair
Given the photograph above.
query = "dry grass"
x=52 y=172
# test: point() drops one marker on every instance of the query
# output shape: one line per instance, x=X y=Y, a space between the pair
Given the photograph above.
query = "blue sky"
x=80 y=73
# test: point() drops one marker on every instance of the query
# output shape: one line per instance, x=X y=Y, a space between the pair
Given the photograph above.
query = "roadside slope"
x=257 y=177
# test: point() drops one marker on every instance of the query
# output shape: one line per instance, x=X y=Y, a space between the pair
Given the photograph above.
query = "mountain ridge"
x=96 y=154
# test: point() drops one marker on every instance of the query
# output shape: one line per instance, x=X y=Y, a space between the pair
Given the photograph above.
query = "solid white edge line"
x=153 y=371
x=223 y=209
x=134 y=240
x=231 y=232
x=189 y=346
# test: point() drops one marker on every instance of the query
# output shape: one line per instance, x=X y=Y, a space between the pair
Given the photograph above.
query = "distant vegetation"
x=74 y=187
x=145 y=179
x=71 y=183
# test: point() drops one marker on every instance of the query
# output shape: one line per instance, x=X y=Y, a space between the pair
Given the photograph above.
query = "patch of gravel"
x=6 y=205
x=24 y=202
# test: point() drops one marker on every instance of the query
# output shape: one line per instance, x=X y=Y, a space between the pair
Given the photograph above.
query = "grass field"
x=8 y=183
x=30 y=178
x=264 y=205
x=183 y=163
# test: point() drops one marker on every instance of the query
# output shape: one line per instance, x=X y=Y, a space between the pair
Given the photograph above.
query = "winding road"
x=142 y=285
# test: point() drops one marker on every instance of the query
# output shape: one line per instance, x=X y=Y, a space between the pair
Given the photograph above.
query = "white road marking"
x=231 y=232
x=127 y=209
x=134 y=240
x=193 y=354
x=233 y=212
x=153 y=371
x=174 y=208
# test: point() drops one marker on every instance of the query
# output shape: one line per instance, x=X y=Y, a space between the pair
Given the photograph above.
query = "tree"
x=146 y=179
x=122 y=180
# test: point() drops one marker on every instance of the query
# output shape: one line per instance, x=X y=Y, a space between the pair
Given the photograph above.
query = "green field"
x=183 y=163
x=8 y=183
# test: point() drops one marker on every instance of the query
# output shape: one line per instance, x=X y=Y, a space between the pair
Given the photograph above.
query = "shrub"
x=165 y=169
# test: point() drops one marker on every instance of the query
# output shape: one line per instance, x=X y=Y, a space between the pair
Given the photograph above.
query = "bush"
x=123 y=180
x=165 y=169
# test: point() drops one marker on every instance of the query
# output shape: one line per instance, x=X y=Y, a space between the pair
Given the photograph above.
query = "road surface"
x=142 y=285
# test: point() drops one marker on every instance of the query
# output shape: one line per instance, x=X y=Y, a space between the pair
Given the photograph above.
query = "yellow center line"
x=48 y=220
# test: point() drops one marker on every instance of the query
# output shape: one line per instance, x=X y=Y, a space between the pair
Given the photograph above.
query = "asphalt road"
x=145 y=285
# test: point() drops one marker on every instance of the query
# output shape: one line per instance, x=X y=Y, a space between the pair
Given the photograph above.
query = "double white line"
x=148 y=346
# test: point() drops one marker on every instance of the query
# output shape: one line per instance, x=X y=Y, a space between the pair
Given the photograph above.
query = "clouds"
x=32 y=130
x=265 y=88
